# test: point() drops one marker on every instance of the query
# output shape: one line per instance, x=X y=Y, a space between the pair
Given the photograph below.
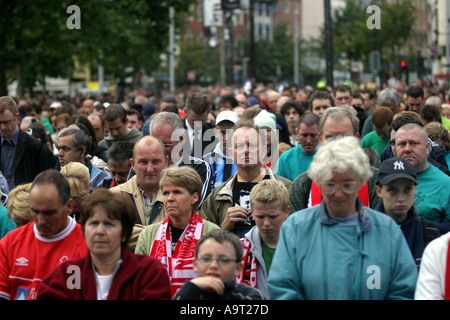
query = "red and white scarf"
x=180 y=263
x=249 y=273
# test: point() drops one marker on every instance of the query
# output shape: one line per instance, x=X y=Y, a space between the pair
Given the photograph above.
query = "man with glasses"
x=22 y=156
x=432 y=199
x=119 y=156
x=115 y=118
x=168 y=127
x=335 y=123
x=296 y=160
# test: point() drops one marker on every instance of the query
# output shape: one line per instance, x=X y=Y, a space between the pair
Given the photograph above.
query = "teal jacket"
x=318 y=259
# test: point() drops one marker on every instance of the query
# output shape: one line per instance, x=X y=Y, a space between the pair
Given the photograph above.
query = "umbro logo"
x=22 y=262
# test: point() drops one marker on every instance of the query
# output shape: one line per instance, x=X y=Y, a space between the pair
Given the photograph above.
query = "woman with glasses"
x=174 y=240
x=217 y=262
x=341 y=249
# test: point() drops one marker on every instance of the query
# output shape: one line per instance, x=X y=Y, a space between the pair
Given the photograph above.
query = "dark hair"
x=133 y=111
x=292 y=104
x=229 y=98
x=118 y=206
x=198 y=102
x=83 y=121
x=222 y=236
x=309 y=119
x=405 y=119
x=430 y=113
x=320 y=94
x=415 y=92
x=56 y=178
x=80 y=139
x=115 y=111
x=120 y=151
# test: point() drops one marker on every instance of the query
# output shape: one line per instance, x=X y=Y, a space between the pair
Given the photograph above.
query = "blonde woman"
x=19 y=205
x=77 y=174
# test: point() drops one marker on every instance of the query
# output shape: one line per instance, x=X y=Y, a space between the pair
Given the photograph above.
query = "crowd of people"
x=220 y=194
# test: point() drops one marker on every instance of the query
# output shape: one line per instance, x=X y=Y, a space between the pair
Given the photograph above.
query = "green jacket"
x=215 y=206
x=301 y=186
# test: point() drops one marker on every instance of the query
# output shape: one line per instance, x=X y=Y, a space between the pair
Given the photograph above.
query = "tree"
x=352 y=38
x=35 y=40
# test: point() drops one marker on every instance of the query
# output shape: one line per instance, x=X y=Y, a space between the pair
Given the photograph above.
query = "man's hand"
x=234 y=214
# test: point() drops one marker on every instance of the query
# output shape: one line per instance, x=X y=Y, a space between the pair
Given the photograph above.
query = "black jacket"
x=233 y=291
x=29 y=160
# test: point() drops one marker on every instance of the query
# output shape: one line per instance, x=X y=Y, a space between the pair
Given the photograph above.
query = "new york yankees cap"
x=396 y=168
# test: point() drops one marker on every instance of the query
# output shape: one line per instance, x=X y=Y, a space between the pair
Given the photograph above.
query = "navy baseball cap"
x=396 y=168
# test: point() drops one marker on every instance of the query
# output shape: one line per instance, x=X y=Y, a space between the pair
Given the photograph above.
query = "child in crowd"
x=269 y=201
x=218 y=258
x=396 y=187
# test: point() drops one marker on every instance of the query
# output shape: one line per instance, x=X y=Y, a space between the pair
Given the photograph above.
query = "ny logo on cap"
x=398 y=165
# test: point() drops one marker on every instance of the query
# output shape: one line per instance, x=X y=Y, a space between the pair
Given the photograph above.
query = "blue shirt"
x=319 y=259
x=7 y=157
x=432 y=199
x=293 y=162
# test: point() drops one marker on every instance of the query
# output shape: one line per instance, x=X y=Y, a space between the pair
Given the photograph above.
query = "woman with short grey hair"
x=341 y=249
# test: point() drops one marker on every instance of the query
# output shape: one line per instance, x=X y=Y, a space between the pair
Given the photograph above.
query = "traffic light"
x=403 y=64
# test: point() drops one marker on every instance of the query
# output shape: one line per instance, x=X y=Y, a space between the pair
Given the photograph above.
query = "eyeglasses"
x=347 y=187
x=221 y=261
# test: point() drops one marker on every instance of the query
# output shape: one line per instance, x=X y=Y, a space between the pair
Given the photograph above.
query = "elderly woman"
x=341 y=249
x=77 y=174
x=110 y=271
x=173 y=241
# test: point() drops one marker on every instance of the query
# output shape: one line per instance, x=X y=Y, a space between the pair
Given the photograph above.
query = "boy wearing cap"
x=396 y=188
x=222 y=166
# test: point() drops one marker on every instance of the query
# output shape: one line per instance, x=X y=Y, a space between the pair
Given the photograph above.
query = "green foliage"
x=123 y=32
x=354 y=40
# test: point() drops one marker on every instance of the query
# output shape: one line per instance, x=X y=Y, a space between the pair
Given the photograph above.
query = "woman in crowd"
x=174 y=240
x=341 y=249
x=18 y=205
x=77 y=174
x=110 y=271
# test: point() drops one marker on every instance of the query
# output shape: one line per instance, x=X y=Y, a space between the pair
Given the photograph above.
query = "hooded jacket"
x=132 y=137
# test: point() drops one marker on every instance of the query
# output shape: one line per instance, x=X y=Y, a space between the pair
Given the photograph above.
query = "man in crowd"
x=320 y=101
x=334 y=123
x=73 y=146
x=29 y=253
x=432 y=199
x=148 y=162
x=296 y=160
x=168 y=127
x=222 y=166
x=200 y=132
x=115 y=118
x=22 y=156
x=228 y=205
